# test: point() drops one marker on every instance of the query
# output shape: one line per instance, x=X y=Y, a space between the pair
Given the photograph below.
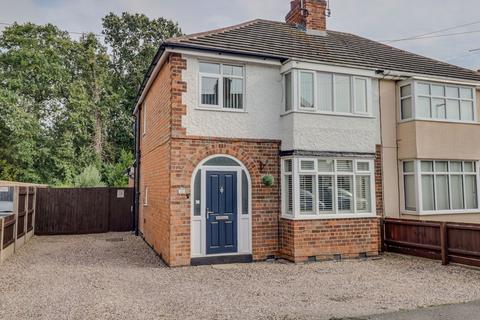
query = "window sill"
x=204 y=108
x=336 y=114
x=439 y=121
x=438 y=213
x=330 y=216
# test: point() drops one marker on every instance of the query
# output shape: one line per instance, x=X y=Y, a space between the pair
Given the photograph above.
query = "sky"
x=374 y=19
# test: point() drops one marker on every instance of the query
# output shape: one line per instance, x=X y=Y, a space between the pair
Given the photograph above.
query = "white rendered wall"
x=263 y=118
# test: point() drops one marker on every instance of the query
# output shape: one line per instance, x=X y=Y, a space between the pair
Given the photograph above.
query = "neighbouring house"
x=271 y=139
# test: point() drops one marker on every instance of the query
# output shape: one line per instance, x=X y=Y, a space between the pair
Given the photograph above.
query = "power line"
x=439 y=36
x=424 y=35
x=70 y=32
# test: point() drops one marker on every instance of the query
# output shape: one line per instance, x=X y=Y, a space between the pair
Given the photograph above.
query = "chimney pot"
x=312 y=17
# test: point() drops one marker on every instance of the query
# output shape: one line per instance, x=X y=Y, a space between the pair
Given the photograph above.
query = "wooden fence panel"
x=449 y=242
x=9 y=231
x=81 y=211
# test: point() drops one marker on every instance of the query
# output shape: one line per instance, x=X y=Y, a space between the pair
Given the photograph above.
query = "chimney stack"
x=309 y=14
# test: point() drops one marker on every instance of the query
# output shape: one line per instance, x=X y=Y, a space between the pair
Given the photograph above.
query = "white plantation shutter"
x=345 y=193
x=344 y=165
x=289 y=193
x=363 y=198
x=306 y=194
x=325 y=194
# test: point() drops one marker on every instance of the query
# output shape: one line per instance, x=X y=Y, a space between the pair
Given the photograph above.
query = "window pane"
x=438 y=108
x=455 y=166
x=233 y=70
x=453 y=109
x=232 y=93
x=408 y=166
x=423 y=107
x=306 y=90
x=457 y=192
x=441 y=166
x=325 y=194
x=467 y=110
x=307 y=165
x=363 y=194
x=427 y=166
x=407 y=108
x=288 y=193
x=325 y=165
x=360 y=95
x=306 y=194
x=288 y=92
x=471 y=192
x=325 y=91
x=345 y=165
x=345 y=193
x=409 y=185
x=288 y=165
x=245 y=195
x=427 y=192
x=222 y=162
x=423 y=88
x=210 y=68
x=363 y=166
x=197 y=185
x=441 y=190
x=406 y=91
x=466 y=93
x=438 y=91
x=452 y=92
x=468 y=167
x=209 y=91
x=342 y=94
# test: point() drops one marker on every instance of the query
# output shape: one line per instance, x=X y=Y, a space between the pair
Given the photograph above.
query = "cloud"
x=374 y=19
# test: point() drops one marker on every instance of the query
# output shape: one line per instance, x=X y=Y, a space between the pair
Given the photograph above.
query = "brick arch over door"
x=254 y=154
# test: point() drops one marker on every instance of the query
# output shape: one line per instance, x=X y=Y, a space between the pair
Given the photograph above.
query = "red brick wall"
x=188 y=152
x=316 y=18
x=323 y=239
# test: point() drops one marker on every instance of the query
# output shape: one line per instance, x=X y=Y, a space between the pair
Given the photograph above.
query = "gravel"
x=117 y=276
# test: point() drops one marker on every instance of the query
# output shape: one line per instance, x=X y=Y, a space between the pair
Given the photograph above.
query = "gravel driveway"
x=116 y=276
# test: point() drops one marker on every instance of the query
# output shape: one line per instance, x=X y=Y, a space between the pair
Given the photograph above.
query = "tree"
x=65 y=104
x=88 y=178
x=115 y=174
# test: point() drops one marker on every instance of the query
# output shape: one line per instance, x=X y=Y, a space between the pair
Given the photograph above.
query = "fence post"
x=382 y=235
x=444 y=243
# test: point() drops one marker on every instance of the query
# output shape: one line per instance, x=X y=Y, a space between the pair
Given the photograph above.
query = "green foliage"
x=88 y=178
x=268 y=180
x=115 y=174
x=66 y=104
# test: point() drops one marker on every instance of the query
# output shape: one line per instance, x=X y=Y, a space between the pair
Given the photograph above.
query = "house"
x=270 y=139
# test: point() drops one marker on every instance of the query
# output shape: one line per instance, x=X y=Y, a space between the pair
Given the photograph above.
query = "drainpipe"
x=136 y=189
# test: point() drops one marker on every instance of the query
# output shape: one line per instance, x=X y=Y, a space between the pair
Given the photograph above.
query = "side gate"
x=83 y=210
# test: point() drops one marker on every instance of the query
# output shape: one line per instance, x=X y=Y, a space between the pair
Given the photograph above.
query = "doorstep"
x=202 y=261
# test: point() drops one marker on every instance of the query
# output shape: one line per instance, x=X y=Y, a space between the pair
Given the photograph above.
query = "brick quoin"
x=168 y=160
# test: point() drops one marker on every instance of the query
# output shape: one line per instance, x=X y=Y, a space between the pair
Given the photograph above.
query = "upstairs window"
x=222 y=86
x=433 y=101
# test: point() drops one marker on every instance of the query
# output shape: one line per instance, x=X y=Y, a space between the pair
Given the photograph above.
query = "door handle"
x=209 y=213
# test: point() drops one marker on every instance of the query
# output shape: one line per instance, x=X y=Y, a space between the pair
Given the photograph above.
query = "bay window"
x=440 y=186
x=326 y=188
x=324 y=92
x=221 y=86
x=433 y=101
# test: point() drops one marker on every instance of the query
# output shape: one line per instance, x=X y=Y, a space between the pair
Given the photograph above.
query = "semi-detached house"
x=270 y=139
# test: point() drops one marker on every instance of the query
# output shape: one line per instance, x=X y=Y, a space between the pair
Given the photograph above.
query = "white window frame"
x=220 y=77
x=296 y=92
x=415 y=83
x=418 y=187
x=317 y=214
x=315 y=96
x=145 y=197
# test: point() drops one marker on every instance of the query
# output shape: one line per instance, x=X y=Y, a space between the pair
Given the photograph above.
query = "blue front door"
x=221 y=212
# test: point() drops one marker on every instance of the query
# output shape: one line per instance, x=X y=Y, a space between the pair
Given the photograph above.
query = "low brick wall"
x=324 y=239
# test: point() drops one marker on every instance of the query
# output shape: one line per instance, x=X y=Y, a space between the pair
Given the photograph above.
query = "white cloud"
x=374 y=19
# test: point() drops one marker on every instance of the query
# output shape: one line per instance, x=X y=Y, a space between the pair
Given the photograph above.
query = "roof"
x=272 y=39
